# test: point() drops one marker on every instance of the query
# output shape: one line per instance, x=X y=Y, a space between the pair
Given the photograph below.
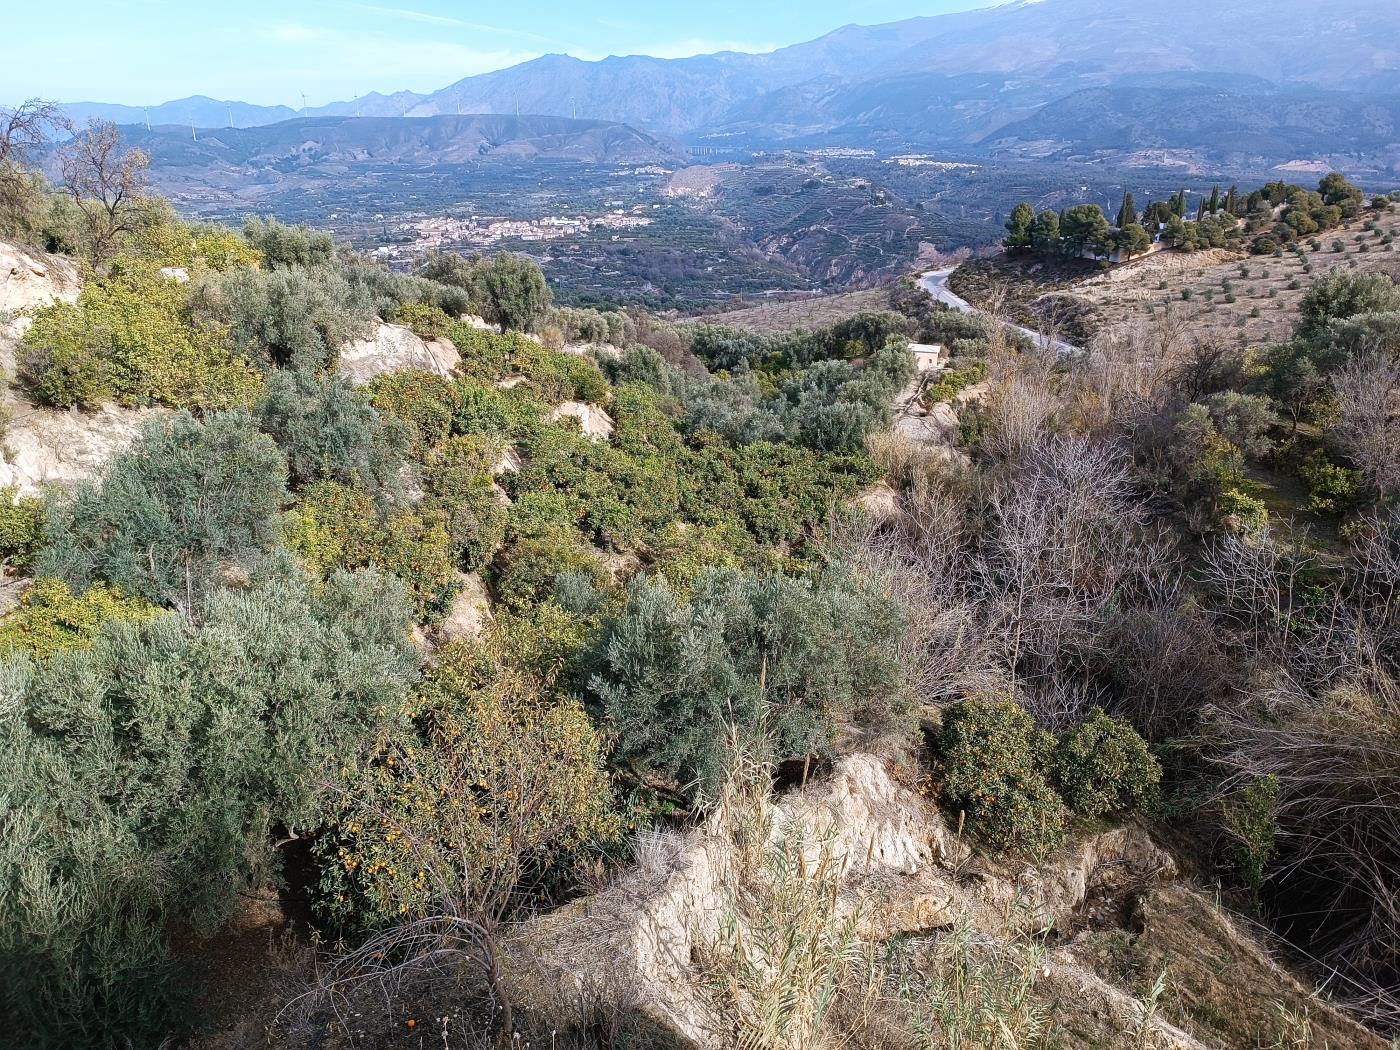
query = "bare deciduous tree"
x=107 y=182
x=1368 y=417
x=23 y=131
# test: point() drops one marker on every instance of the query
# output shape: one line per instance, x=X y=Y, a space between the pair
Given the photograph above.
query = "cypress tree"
x=1127 y=214
x=1214 y=201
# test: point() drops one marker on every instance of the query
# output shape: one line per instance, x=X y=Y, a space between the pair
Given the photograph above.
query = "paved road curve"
x=936 y=284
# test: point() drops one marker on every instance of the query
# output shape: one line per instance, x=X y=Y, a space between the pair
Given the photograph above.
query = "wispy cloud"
x=428 y=18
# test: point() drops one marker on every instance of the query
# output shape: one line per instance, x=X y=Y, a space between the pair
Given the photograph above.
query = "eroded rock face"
x=50 y=447
x=31 y=279
x=594 y=422
x=470 y=614
x=394 y=348
x=906 y=871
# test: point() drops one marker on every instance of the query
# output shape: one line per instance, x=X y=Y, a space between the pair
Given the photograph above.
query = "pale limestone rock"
x=509 y=463
x=178 y=274
x=394 y=348
x=470 y=614
x=880 y=501
x=30 y=279
x=593 y=421
x=52 y=447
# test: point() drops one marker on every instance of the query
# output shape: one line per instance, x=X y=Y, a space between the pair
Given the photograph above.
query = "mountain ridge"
x=940 y=81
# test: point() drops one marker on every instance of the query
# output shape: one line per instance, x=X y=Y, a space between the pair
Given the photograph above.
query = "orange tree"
x=446 y=834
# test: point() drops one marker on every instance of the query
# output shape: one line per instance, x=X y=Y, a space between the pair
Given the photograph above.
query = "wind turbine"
x=230 y=114
x=148 y=118
x=303 y=103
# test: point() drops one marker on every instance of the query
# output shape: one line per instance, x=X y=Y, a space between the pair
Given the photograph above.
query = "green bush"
x=1103 y=766
x=21 y=527
x=1251 y=823
x=424 y=402
x=954 y=381
x=458 y=480
x=51 y=619
x=426 y=321
x=337 y=527
x=286 y=317
x=146 y=776
x=1332 y=489
x=789 y=660
x=993 y=765
x=168 y=514
x=530 y=567
x=329 y=432
x=132 y=338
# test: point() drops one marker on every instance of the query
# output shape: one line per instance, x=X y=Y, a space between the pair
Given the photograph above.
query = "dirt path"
x=936 y=284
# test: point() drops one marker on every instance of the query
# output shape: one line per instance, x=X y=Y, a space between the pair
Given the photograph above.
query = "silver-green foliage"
x=187 y=499
x=143 y=778
x=789 y=659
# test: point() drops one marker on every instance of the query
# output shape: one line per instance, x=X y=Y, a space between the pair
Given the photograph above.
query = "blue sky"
x=148 y=51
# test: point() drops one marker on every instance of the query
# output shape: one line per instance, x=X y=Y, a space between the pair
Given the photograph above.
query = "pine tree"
x=1127 y=214
x=1018 y=227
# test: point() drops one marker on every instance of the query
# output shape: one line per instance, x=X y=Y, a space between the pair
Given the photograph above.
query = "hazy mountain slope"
x=1346 y=43
x=943 y=80
x=423 y=141
x=197 y=110
x=1223 y=124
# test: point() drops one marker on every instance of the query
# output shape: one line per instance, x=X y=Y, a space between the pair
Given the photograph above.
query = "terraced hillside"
x=1251 y=299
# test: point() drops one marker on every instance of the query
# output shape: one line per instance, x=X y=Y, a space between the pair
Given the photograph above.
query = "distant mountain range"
x=1044 y=76
x=304 y=143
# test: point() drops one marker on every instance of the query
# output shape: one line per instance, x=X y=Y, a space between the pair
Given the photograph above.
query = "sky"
x=143 y=52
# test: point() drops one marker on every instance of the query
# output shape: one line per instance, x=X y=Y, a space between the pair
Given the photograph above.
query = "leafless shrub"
x=1367 y=392
x=1018 y=412
x=106 y=182
x=1336 y=761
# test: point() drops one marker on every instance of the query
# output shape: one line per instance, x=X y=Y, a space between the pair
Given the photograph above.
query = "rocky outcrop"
x=470 y=614
x=48 y=447
x=906 y=872
x=593 y=420
x=394 y=348
x=29 y=279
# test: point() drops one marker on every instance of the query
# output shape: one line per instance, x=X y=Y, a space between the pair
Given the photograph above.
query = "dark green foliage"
x=145 y=777
x=328 y=432
x=1333 y=489
x=21 y=527
x=1013 y=782
x=510 y=291
x=1251 y=821
x=422 y=402
x=1339 y=296
x=1019 y=227
x=290 y=316
x=790 y=660
x=1084 y=228
x=993 y=767
x=284 y=246
x=457 y=477
x=530 y=567
x=336 y=527
x=1102 y=766
x=392 y=293
x=184 y=501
